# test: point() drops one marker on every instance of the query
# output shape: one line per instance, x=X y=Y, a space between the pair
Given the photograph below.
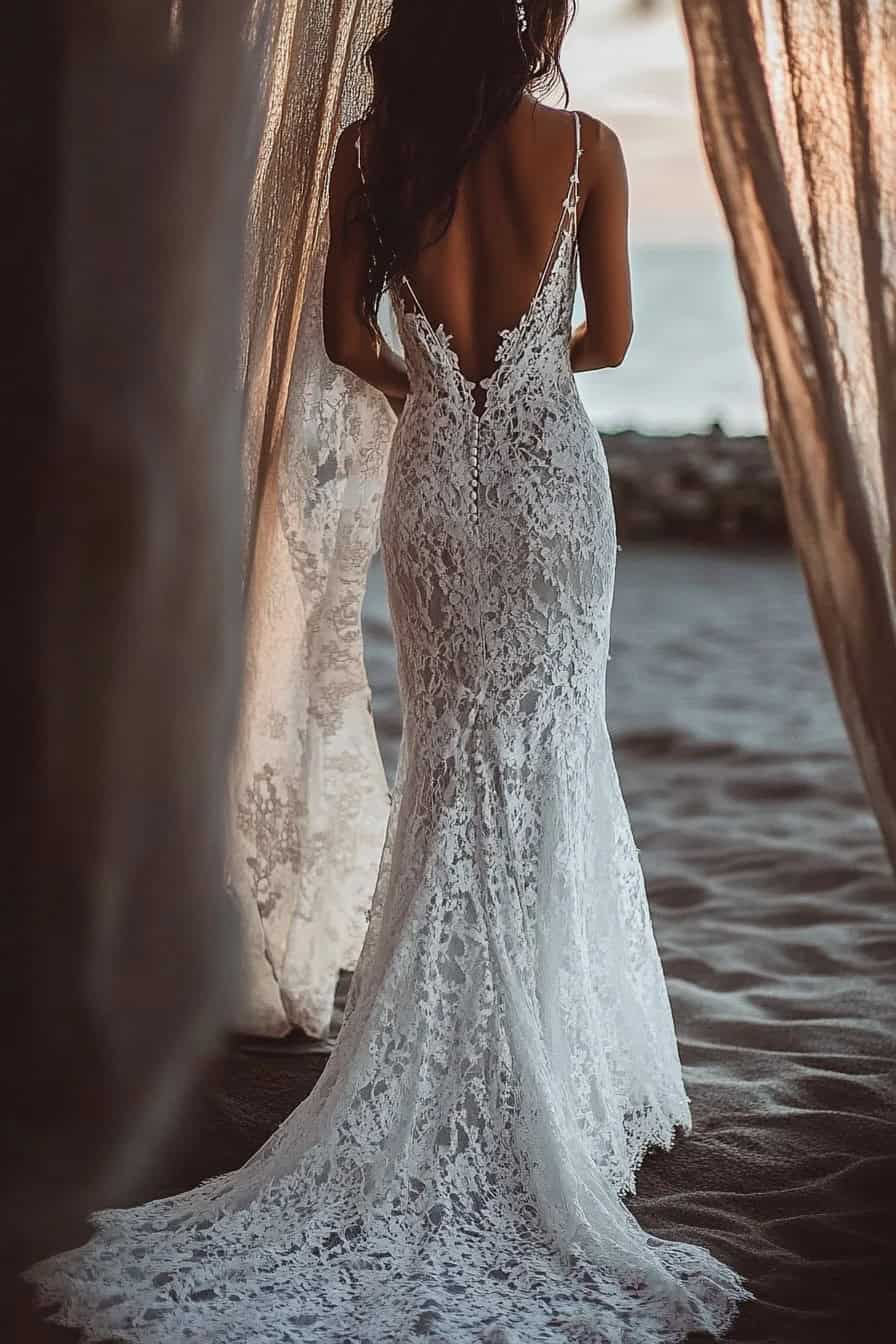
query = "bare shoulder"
x=603 y=162
x=598 y=138
x=344 y=173
x=347 y=143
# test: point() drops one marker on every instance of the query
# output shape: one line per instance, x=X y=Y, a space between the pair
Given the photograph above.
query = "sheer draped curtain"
x=308 y=794
x=797 y=102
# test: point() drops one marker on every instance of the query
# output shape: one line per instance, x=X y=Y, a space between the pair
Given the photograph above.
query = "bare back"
x=479 y=278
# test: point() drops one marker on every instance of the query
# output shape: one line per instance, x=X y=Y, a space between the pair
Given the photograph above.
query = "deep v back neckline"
x=566 y=225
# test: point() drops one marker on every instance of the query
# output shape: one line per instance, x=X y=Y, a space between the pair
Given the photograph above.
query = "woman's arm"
x=604 y=337
x=348 y=338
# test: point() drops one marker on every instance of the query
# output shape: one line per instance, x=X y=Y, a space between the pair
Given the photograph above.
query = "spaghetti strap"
x=568 y=213
x=404 y=280
x=364 y=183
x=575 y=170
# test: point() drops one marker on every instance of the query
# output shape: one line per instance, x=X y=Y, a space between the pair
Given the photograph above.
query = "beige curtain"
x=797 y=101
x=308 y=793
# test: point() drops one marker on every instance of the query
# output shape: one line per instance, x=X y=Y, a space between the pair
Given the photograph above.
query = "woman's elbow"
x=619 y=348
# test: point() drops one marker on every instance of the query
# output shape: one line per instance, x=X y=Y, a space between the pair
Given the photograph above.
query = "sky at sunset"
x=634 y=73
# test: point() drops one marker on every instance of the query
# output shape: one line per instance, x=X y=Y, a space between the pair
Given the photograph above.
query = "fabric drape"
x=309 y=801
x=127 y=161
x=797 y=103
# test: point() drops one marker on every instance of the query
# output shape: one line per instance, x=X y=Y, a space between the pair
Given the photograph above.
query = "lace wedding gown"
x=508 y=1053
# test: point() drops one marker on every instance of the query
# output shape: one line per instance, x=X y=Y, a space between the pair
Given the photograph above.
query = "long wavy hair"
x=445 y=74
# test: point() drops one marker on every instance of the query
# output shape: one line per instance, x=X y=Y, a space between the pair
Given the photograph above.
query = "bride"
x=508 y=1054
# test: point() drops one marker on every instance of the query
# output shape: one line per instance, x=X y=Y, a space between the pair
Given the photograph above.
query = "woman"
x=508 y=1053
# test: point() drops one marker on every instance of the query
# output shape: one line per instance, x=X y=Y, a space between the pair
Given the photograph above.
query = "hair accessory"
x=521 y=15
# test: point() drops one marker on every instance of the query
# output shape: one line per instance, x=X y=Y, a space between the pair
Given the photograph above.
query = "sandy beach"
x=773 y=906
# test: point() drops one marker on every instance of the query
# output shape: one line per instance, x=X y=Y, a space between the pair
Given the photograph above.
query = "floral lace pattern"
x=508 y=1052
x=309 y=794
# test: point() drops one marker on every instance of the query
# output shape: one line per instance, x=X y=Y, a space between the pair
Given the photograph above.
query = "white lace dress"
x=508 y=1052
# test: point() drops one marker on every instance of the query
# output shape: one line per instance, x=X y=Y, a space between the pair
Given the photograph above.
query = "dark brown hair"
x=445 y=74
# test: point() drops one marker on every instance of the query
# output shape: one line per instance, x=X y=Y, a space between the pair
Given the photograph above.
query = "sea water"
x=690 y=362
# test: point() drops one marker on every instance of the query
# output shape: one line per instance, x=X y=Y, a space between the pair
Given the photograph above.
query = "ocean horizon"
x=690 y=363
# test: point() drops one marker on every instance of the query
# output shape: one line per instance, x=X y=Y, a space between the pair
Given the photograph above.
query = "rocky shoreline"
x=709 y=488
